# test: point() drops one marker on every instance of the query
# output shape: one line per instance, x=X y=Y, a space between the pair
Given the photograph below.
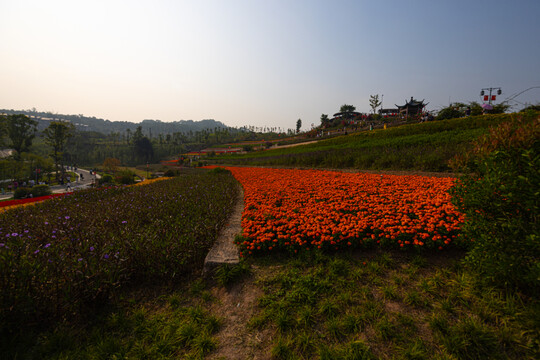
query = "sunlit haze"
x=261 y=63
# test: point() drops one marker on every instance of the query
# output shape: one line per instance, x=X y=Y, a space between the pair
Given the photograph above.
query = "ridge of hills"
x=86 y=123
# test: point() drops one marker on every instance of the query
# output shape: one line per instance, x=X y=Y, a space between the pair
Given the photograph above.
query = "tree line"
x=35 y=151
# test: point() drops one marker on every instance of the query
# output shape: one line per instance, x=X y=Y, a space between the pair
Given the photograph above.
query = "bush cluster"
x=427 y=146
x=35 y=191
x=500 y=197
x=62 y=255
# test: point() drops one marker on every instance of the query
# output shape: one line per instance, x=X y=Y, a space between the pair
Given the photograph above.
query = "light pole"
x=490 y=98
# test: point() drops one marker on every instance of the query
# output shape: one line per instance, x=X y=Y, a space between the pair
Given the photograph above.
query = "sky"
x=262 y=62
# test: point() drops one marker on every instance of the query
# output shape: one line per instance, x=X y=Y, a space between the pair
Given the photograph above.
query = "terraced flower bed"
x=305 y=209
x=71 y=251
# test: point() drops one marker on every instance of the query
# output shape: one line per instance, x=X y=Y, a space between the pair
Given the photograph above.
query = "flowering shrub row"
x=11 y=204
x=74 y=250
x=295 y=209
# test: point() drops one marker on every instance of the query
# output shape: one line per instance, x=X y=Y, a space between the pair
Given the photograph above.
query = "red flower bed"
x=29 y=200
x=304 y=209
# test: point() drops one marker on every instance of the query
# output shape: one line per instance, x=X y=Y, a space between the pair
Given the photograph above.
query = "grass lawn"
x=361 y=305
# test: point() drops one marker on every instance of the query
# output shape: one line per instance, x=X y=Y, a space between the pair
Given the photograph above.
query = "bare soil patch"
x=236 y=305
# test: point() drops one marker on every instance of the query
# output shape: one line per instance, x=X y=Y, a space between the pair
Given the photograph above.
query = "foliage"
x=374 y=102
x=125 y=177
x=298 y=125
x=106 y=179
x=56 y=136
x=500 y=199
x=35 y=191
x=324 y=119
x=69 y=253
x=345 y=108
x=226 y=274
x=21 y=193
x=21 y=131
x=426 y=146
x=383 y=306
x=291 y=210
x=182 y=328
x=531 y=108
x=450 y=112
x=171 y=173
x=40 y=190
x=111 y=165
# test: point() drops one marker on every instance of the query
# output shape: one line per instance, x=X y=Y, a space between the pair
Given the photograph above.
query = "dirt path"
x=236 y=306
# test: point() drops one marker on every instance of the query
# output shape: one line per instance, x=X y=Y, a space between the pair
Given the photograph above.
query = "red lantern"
x=493 y=97
x=486 y=97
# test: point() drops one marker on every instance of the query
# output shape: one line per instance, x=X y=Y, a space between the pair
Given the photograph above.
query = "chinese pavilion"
x=412 y=107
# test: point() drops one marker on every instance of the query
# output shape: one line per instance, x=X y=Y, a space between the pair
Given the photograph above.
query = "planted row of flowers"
x=11 y=204
x=72 y=250
x=290 y=210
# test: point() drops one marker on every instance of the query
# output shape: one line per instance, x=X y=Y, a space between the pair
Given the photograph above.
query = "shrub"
x=66 y=257
x=500 y=199
x=106 y=179
x=125 y=177
x=171 y=173
x=40 y=190
x=449 y=113
x=21 y=193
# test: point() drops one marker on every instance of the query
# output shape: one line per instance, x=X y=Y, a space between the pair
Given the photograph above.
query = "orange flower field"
x=294 y=209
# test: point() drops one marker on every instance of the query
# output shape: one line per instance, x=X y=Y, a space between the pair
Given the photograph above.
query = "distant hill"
x=85 y=123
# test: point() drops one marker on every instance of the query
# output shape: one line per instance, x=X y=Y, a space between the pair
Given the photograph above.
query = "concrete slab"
x=224 y=250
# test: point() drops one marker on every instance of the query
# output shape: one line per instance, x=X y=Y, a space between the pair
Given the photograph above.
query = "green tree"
x=347 y=108
x=144 y=149
x=56 y=136
x=452 y=112
x=298 y=125
x=324 y=119
x=21 y=131
x=374 y=102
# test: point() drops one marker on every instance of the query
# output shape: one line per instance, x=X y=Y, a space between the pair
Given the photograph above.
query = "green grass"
x=314 y=306
x=176 y=325
x=425 y=146
x=340 y=304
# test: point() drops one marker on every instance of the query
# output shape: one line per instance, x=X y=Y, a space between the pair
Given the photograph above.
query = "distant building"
x=389 y=112
x=411 y=108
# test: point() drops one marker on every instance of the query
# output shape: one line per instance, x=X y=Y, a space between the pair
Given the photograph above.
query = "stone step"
x=224 y=250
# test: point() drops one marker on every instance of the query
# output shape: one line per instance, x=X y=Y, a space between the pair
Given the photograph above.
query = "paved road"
x=79 y=184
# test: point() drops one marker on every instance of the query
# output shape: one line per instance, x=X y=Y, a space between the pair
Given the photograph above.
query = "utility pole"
x=490 y=97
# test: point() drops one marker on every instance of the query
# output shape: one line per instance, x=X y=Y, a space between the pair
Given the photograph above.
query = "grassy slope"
x=424 y=146
x=349 y=306
x=358 y=305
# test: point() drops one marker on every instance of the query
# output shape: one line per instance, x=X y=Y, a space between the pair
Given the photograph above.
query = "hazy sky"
x=261 y=62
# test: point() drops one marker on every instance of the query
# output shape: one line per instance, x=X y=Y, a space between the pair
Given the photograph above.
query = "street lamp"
x=490 y=97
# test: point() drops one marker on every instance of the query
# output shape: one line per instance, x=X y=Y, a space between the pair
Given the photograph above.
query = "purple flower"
x=14 y=234
x=35 y=252
x=67 y=217
x=46 y=223
x=2 y=244
x=106 y=256
x=124 y=222
x=91 y=248
x=46 y=246
x=79 y=259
